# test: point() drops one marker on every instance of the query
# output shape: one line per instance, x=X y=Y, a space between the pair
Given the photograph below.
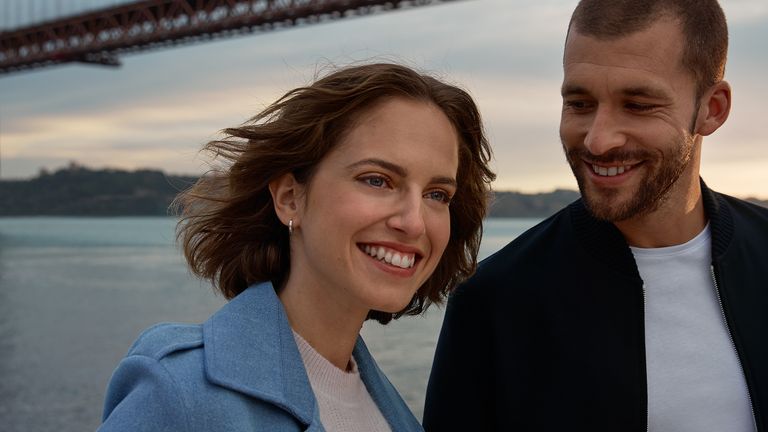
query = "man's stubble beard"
x=663 y=170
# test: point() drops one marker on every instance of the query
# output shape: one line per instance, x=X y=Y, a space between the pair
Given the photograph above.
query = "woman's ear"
x=714 y=109
x=287 y=194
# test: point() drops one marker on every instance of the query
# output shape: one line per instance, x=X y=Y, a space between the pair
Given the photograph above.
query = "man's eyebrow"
x=644 y=91
x=571 y=90
x=641 y=91
x=402 y=172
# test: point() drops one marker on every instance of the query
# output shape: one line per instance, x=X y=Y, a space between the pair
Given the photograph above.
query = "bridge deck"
x=102 y=35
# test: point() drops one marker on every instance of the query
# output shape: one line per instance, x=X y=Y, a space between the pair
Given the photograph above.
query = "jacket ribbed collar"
x=603 y=240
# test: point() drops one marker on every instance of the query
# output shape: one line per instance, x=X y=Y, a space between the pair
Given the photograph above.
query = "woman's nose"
x=408 y=216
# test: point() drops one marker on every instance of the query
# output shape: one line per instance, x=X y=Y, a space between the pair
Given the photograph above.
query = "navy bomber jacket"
x=549 y=333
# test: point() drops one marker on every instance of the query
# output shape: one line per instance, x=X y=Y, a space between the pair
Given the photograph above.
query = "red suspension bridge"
x=100 y=36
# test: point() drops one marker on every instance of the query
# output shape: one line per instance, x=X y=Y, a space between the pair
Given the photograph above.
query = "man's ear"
x=287 y=195
x=714 y=109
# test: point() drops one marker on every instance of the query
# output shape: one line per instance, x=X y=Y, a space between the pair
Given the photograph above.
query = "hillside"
x=80 y=191
x=516 y=204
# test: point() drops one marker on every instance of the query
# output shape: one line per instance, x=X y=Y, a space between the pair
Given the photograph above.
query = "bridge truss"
x=101 y=36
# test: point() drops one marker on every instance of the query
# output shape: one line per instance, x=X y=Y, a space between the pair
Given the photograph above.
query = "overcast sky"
x=160 y=107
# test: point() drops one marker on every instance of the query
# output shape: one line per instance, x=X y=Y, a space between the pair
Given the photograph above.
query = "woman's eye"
x=375 y=181
x=439 y=195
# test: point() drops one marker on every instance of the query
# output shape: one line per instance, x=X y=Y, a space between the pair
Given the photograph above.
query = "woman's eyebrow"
x=450 y=181
x=400 y=171
x=397 y=169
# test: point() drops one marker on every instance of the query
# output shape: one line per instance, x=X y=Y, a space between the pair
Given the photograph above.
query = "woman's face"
x=374 y=220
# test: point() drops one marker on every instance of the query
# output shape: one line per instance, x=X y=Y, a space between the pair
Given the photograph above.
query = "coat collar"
x=389 y=402
x=250 y=348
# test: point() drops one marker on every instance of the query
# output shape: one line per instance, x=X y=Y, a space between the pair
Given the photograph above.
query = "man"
x=644 y=305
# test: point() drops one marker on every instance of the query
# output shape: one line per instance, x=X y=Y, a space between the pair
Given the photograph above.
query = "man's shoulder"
x=520 y=266
x=161 y=340
x=745 y=209
x=528 y=253
x=540 y=239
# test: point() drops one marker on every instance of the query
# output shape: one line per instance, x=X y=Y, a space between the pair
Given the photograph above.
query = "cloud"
x=181 y=121
x=737 y=177
x=160 y=107
x=745 y=11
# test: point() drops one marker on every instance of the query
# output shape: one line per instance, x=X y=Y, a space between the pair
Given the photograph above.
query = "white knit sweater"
x=345 y=404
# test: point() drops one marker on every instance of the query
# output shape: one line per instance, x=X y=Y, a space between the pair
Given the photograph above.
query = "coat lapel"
x=249 y=348
x=383 y=393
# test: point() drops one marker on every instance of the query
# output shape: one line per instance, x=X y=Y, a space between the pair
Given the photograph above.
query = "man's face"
x=628 y=111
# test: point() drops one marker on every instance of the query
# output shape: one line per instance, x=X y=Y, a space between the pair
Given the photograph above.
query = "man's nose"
x=605 y=132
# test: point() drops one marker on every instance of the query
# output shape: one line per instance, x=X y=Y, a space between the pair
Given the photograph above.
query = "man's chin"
x=604 y=204
x=608 y=205
x=604 y=212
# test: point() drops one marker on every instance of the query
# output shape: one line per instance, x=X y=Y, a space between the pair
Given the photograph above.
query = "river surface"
x=75 y=293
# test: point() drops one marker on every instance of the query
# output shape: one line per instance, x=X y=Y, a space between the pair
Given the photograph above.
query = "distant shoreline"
x=78 y=191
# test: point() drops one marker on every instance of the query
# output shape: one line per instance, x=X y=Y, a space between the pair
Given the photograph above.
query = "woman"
x=360 y=196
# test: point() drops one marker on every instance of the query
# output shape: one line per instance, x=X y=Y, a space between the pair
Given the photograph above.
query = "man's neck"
x=671 y=224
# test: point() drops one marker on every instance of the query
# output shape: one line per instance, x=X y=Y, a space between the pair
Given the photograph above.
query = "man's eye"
x=576 y=105
x=639 y=107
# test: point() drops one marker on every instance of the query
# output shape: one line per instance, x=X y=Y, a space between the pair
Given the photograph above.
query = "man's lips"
x=611 y=170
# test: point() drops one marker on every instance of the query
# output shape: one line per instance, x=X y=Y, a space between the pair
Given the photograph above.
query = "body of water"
x=75 y=293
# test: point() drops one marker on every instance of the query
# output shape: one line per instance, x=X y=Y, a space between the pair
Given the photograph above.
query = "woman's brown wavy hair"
x=229 y=230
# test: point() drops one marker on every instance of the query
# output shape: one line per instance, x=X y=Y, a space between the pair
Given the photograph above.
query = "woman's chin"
x=393 y=307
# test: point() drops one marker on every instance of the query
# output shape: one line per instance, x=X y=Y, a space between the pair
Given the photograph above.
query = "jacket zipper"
x=645 y=356
x=733 y=344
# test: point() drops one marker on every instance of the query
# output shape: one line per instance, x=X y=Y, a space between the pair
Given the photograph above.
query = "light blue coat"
x=239 y=371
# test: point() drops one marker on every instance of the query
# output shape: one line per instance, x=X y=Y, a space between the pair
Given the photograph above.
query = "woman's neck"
x=328 y=325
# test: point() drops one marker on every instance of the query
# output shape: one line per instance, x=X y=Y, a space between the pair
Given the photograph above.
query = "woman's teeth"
x=610 y=171
x=390 y=256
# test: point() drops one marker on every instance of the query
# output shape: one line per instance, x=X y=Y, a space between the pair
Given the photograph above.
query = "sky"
x=161 y=107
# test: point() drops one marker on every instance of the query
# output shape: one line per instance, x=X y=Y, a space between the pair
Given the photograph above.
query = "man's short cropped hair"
x=705 y=31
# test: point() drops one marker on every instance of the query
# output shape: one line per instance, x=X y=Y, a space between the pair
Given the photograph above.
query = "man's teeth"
x=610 y=172
x=391 y=257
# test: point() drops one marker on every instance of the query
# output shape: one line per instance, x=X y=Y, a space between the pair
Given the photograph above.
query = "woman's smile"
x=382 y=193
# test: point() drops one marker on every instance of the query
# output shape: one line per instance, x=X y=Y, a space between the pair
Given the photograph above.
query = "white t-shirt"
x=695 y=381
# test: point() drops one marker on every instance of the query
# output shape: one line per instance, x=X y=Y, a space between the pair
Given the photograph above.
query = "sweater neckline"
x=326 y=378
